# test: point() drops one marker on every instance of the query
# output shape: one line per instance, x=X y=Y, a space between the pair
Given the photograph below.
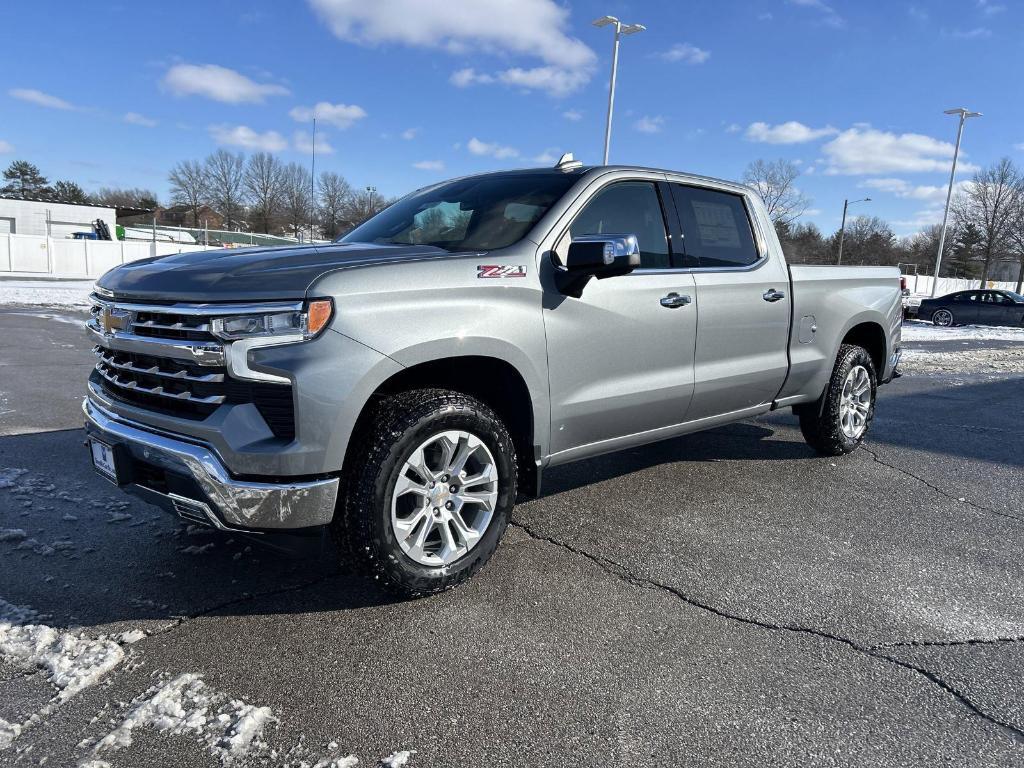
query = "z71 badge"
x=500 y=270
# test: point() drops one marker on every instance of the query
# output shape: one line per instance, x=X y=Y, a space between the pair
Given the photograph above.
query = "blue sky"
x=411 y=91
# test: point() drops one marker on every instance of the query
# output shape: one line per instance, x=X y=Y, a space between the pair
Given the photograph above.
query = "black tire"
x=398 y=424
x=820 y=422
x=944 y=310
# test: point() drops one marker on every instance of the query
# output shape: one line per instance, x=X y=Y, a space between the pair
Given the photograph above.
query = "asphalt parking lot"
x=728 y=598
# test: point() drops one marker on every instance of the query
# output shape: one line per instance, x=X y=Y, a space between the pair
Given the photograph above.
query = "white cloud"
x=136 y=119
x=410 y=133
x=902 y=188
x=218 y=83
x=733 y=128
x=536 y=29
x=477 y=147
x=5 y=147
x=989 y=8
x=790 y=132
x=648 y=124
x=339 y=115
x=977 y=33
x=32 y=96
x=573 y=115
x=828 y=15
x=463 y=78
x=865 y=150
x=548 y=156
x=1019 y=147
x=245 y=137
x=685 y=52
x=429 y=165
x=556 y=81
x=303 y=142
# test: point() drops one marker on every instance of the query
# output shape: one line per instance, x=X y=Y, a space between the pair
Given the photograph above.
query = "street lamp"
x=964 y=114
x=842 y=229
x=620 y=29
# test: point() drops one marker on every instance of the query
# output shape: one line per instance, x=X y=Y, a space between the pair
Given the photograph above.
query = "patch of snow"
x=966 y=361
x=185 y=705
x=73 y=294
x=8 y=733
x=9 y=475
x=12 y=534
x=195 y=549
x=132 y=636
x=94 y=764
x=920 y=331
x=398 y=759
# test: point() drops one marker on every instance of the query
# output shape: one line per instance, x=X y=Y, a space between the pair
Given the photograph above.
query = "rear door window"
x=716 y=227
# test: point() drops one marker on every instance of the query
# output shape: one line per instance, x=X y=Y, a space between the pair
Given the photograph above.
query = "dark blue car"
x=980 y=307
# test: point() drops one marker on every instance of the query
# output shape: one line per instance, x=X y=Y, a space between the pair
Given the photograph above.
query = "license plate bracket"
x=104 y=460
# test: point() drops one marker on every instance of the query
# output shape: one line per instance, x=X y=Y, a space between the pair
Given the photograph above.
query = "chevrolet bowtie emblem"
x=114 y=319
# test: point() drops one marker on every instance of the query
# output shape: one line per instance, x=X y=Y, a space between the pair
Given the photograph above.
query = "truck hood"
x=230 y=274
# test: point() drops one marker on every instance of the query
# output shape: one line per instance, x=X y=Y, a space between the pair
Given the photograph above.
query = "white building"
x=57 y=220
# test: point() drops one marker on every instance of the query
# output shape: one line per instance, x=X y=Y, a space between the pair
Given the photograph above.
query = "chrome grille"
x=165 y=358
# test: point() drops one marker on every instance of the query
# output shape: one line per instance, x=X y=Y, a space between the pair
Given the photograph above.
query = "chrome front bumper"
x=227 y=503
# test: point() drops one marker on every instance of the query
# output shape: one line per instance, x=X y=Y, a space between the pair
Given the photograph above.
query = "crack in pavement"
x=622 y=572
x=937 y=489
x=949 y=643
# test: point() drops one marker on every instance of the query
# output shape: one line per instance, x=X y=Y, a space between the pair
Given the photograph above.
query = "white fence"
x=922 y=284
x=77 y=258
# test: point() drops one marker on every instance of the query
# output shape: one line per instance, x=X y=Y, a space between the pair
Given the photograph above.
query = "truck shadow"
x=78 y=551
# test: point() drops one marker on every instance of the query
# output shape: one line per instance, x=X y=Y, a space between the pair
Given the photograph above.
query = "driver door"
x=620 y=359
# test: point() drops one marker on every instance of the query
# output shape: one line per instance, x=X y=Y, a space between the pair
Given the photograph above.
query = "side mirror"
x=599 y=256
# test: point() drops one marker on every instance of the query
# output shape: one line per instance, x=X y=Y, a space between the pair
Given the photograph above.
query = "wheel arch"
x=871 y=336
x=494 y=381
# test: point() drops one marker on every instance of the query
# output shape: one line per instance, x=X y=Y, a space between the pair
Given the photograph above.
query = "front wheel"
x=429 y=492
x=942 y=317
x=838 y=422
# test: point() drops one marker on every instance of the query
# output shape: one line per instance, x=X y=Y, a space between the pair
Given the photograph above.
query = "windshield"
x=1015 y=296
x=478 y=214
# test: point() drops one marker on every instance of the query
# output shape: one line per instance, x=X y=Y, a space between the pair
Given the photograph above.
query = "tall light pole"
x=964 y=114
x=620 y=30
x=842 y=229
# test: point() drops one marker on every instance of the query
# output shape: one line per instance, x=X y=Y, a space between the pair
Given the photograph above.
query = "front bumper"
x=189 y=479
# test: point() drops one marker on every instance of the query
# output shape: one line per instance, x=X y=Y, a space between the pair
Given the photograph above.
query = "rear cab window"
x=716 y=227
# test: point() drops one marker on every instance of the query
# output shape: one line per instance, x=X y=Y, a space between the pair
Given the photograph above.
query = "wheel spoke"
x=486 y=475
x=406 y=484
x=468 y=535
x=466 y=448
x=418 y=462
x=486 y=498
x=450 y=546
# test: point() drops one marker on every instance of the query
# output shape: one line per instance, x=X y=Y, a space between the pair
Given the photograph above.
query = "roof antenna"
x=567 y=163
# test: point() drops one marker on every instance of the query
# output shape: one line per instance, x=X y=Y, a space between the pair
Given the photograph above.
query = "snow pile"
x=185 y=705
x=966 y=361
x=927 y=332
x=10 y=475
x=12 y=534
x=73 y=661
x=73 y=294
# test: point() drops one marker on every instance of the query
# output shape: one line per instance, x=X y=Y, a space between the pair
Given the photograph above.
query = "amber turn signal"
x=318 y=314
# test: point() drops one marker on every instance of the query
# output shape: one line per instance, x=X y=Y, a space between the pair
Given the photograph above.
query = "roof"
x=117 y=208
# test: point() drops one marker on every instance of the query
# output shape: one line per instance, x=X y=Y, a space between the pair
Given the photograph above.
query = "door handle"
x=674 y=301
x=773 y=295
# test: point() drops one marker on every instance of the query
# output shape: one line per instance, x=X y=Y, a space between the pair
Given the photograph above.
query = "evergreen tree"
x=24 y=180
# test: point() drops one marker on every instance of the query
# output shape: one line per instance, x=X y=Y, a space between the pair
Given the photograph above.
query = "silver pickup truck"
x=401 y=386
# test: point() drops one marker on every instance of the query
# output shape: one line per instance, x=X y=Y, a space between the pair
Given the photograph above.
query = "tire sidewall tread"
x=820 y=424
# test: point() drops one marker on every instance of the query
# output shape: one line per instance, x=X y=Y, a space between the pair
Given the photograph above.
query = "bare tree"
x=334 y=195
x=776 y=183
x=264 y=187
x=226 y=172
x=362 y=205
x=189 y=186
x=1017 y=234
x=298 y=199
x=988 y=202
x=128 y=197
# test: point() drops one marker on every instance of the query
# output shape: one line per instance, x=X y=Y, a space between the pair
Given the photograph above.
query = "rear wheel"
x=429 y=492
x=942 y=317
x=839 y=420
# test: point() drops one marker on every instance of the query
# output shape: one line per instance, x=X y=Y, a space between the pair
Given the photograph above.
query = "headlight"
x=299 y=325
